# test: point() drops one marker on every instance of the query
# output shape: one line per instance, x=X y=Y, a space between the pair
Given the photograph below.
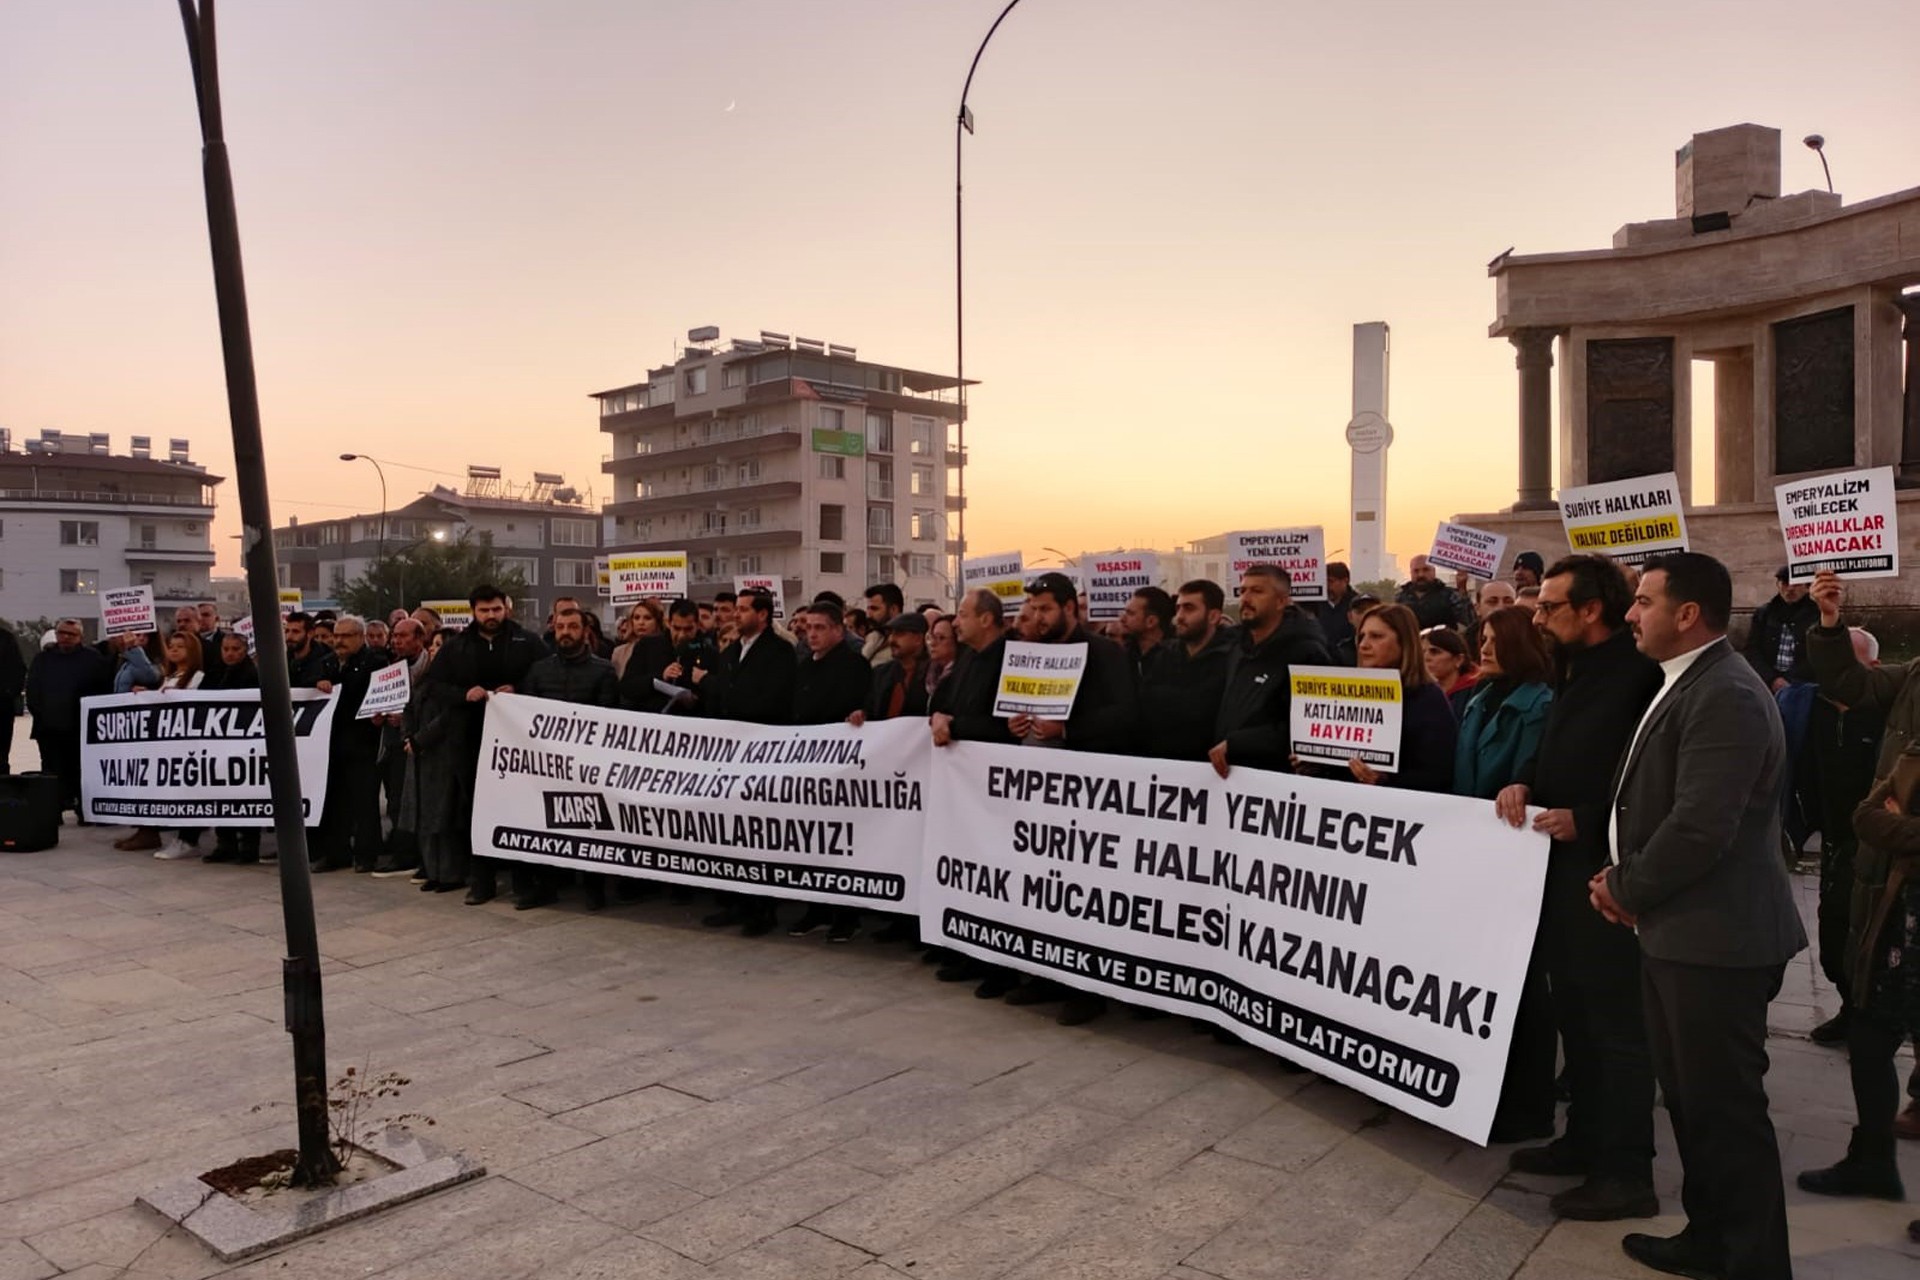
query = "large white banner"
x=1379 y=937
x=828 y=813
x=195 y=757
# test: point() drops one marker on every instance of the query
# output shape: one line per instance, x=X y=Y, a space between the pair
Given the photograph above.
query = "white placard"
x=828 y=813
x=770 y=583
x=195 y=757
x=1379 y=937
x=1847 y=522
x=455 y=615
x=1003 y=574
x=1302 y=552
x=290 y=600
x=126 y=610
x=1626 y=520
x=1113 y=578
x=1040 y=680
x=243 y=627
x=1337 y=714
x=1475 y=551
x=387 y=691
x=650 y=575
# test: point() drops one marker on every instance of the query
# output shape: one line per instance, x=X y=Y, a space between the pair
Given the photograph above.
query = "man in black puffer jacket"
x=1276 y=635
x=1180 y=692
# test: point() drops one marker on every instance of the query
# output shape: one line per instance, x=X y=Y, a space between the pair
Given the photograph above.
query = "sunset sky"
x=460 y=218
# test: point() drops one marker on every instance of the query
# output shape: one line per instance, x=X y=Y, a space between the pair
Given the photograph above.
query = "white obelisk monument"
x=1369 y=435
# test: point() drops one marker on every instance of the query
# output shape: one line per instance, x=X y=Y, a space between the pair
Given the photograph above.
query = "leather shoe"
x=1558 y=1159
x=1037 y=991
x=1876 y=1180
x=995 y=985
x=1832 y=1031
x=1607 y=1199
x=1679 y=1255
x=1505 y=1131
x=1907 y=1123
x=528 y=902
x=478 y=897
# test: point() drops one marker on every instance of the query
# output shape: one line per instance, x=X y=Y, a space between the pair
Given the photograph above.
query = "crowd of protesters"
x=1603 y=706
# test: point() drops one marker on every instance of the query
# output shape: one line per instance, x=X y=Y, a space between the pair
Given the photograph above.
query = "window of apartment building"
x=833 y=523
x=146 y=579
x=879 y=432
x=79 y=533
x=925 y=526
x=329 y=535
x=747 y=472
x=575 y=533
x=833 y=467
x=3 y=529
x=734 y=375
x=923 y=482
x=529 y=568
x=574 y=573
x=832 y=419
x=833 y=562
x=883 y=567
x=748 y=564
x=713 y=522
x=660 y=392
x=149 y=536
x=706 y=568
x=748 y=518
x=920 y=566
x=697 y=380
x=711 y=476
x=880 y=479
x=879 y=526
x=336 y=577
x=923 y=437
x=529 y=607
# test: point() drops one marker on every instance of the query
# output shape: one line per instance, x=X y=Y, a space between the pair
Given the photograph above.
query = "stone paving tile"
x=660 y=1100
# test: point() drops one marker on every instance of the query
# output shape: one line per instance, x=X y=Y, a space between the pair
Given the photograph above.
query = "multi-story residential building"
x=788 y=457
x=76 y=518
x=545 y=529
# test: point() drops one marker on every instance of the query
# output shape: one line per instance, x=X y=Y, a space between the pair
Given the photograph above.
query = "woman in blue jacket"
x=1500 y=727
x=1499 y=732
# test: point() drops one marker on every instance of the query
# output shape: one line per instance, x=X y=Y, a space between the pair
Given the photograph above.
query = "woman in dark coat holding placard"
x=1388 y=639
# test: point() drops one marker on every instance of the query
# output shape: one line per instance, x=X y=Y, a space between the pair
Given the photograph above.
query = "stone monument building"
x=1797 y=300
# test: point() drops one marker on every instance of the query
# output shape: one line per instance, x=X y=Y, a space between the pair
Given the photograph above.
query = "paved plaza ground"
x=657 y=1100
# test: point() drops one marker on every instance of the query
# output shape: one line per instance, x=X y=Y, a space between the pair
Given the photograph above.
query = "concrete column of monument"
x=1534 y=359
x=1909 y=304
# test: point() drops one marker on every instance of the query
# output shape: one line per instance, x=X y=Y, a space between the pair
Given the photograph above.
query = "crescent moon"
x=730 y=104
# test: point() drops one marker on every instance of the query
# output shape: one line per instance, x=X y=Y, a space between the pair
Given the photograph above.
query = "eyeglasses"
x=1548 y=606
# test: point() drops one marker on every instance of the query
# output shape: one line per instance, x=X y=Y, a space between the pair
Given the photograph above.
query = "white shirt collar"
x=1673 y=668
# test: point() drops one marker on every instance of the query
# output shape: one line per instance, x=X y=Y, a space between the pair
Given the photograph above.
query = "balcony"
x=880 y=490
x=956 y=457
x=700 y=497
x=143 y=554
x=761 y=441
x=880 y=533
x=752 y=540
x=956 y=503
x=95 y=497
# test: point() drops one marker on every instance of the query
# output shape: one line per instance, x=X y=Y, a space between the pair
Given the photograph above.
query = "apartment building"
x=545 y=529
x=76 y=519
x=788 y=456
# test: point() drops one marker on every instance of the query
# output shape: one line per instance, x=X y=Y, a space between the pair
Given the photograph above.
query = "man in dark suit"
x=1696 y=846
x=754 y=682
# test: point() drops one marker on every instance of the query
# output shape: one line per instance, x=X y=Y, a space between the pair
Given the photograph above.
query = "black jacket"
x=352 y=735
x=969 y=692
x=1252 y=719
x=1180 y=696
x=1106 y=711
x=895 y=673
x=1429 y=735
x=56 y=683
x=830 y=687
x=1436 y=604
x=649 y=657
x=318 y=665
x=585 y=678
x=1763 y=638
x=1595 y=711
x=13 y=672
x=242 y=675
x=1332 y=617
x=756 y=687
x=472 y=658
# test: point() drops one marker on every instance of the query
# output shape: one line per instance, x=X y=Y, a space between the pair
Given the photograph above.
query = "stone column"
x=1535 y=362
x=1908 y=474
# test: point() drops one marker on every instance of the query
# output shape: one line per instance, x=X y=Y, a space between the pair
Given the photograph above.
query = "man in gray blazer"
x=1698 y=873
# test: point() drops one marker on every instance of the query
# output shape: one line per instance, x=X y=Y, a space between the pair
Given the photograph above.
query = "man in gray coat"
x=1697 y=872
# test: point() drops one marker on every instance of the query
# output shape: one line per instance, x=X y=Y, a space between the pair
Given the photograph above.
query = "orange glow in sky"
x=460 y=218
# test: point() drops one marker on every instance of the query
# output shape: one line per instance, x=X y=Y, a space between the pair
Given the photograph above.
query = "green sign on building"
x=848 y=444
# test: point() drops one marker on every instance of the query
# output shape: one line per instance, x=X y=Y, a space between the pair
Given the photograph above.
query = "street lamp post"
x=382 y=473
x=963 y=125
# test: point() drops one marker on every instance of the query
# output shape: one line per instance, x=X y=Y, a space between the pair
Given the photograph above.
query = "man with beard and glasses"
x=1592 y=968
x=491 y=655
x=571 y=673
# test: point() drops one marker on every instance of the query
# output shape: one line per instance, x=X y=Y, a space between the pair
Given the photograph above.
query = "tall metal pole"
x=962 y=125
x=382 y=473
x=300 y=970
